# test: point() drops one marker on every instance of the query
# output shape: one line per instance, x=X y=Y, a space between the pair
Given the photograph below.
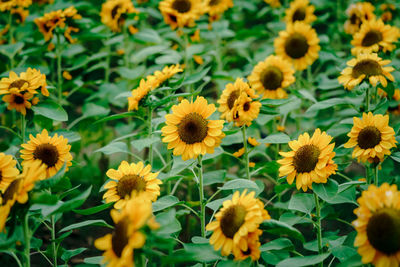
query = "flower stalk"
x=246 y=152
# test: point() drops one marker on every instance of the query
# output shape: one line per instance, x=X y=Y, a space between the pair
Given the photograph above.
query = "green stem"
x=59 y=74
x=23 y=128
x=27 y=237
x=53 y=238
x=319 y=230
x=150 y=128
x=108 y=62
x=246 y=154
x=11 y=37
x=376 y=176
x=201 y=193
x=368 y=174
x=367 y=99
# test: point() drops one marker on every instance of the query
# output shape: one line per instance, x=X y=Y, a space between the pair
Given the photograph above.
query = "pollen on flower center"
x=299 y=14
x=232 y=219
x=120 y=237
x=18 y=84
x=182 y=6
x=383 y=230
x=232 y=98
x=306 y=158
x=368 y=67
x=129 y=183
x=369 y=137
x=271 y=78
x=372 y=37
x=47 y=153
x=193 y=128
x=296 y=46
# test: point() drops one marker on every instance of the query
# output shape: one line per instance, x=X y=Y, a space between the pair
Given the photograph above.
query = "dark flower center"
x=306 y=158
x=271 y=78
x=193 y=128
x=129 y=183
x=182 y=6
x=369 y=137
x=383 y=231
x=47 y=153
x=120 y=238
x=372 y=37
x=19 y=99
x=18 y=84
x=114 y=11
x=11 y=190
x=232 y=220
x=354 y=19
x=247 y=252
x=214 y=2
x=368 y=67
x=246 y=106
x=299 y=14
x=232 y=98
x=296 y=46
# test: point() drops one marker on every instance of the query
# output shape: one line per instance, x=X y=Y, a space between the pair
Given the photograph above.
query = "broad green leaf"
x=278 y=138
x=239 y=184
x=333 y=102
x=68 y=254
x=396 y=156
x=281 y=228
x=94 y=210
x=326 y=191
x=302 y=202
x=51 y=110
x=202 y=252
x=277 y=244
x=197 y=76
x=213 y=177
x=165 y=202
x=303 y=261
x=52 y=181
x=70 y=135
x=10 y=50
x=94 y=260
x=169 y=223
x=142 y=143
x=85 y=223
x=115 y=147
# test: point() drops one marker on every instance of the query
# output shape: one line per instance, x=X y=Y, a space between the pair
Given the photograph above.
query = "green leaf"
x=94 y=210
x=148 y=36
x=118 y=116
x=114 y=147
x=51 y=110
x=196 y=77
x=70 y=135
x=281 y=228
x=396 y=156
x=202 y=252
x=303 y=261
x=52 y=181
x=169 y=223
x=85 y=223
x=142 y=143
x=68 y=254
x=94 y=260
x=278 y=138
x=10 y=50
x=326 y=191
x=277 y=244
x=302 y=202
x=214 y=177
x=239 y=184
x=165 y=202
x=333 y=102
x=343 y=253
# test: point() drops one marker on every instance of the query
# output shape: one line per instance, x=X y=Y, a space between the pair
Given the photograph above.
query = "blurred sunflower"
x=31 y=81
x=253 y=247
x=114 y=13
x=372 y=137
x=299 y=44
x=8 y=171
x=366 y=66
x=19 y=188
x=357 y=14
x=20 y=13
x=387 y=11
x=235 y=221
x=271 y=76
x=161 y=76
x=129 y=178
x=138 y=94
x=373 y=36
x=230 y=95
x=245 y=110
x=378 y=226
x=188 y=130
x=119 y=246
x=181 y=13
x=310 y=161
x=52 y=151
x=216 y=7
x=9 y=4
x=300 y=10
x=20 y=101
x=273 y=3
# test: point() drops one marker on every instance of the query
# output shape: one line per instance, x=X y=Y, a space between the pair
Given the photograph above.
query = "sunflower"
x=181 y=13
x=129 y=178
x=373 y=36
x=299 y=44
x=372 y=137
x=18 y=101
x=20 y=13
x=310 y=161
x=300 y=10
x=9 y=4
x=8 y=171
x=245 y=110
x=216 y=7
x=114 y=12
x=366 y=66
x=253 y=247
x=30 y=81
x=358 y=13
x=273 y=3
x=52 y=151
x=119 y=246
x=387 y=11
x=271 y=76
x=235 y=220
x=189 y=132
x=230 y=95
x=378 y=226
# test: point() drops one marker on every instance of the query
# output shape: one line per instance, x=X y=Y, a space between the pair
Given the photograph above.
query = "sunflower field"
x=199 y=133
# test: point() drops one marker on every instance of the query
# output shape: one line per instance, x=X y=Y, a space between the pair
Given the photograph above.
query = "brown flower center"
x=383 y=231
x=369 y=137
x=368 y=67
x=306 y=158
x=232 y=98
x=182 y=6
x=19 y=99
x=193 y=128
x=114 y=11
x=271 y=78
x=232 y=220
x=372 y=37
x=214 y=2
x=120 y=237
x=47 y=153
x=299 y=14
x=355 y=20
x=246 y=106
x=18 y=84
x=11 y=190
x=129 y=183
x=296 y=46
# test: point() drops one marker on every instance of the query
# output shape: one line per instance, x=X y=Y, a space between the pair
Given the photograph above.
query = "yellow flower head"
x=114 y=13
x=216 y=7
x=188 y=130
x=273 y=3
x=253 y=247
x=378 y=225
x=300 y=10
x=252 y=141
x=310 y=161
x=9 y=4
x=371 y=137
x=245 y=110
x=357 y=14
x=181 y=13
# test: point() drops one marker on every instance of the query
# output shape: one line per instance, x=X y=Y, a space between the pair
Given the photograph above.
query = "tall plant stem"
x=23 y=128
x=59 y=75
x=376 y=175
x=246 y=153
x=27 y=237
x=201 y=193
x=150 y=133
x=319 y=230
x=53 y=238
x=367 y=96
x=10 y=38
